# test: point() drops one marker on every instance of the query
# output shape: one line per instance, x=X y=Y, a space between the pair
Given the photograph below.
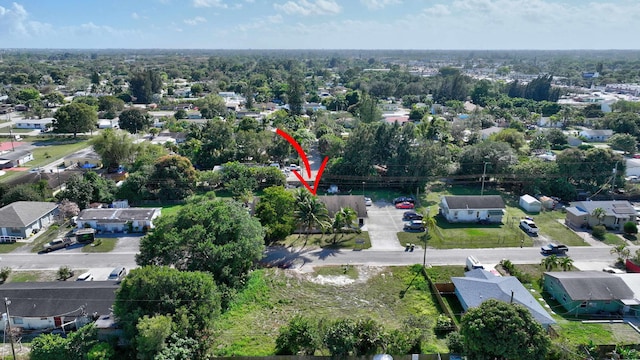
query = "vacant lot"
x=273 y=297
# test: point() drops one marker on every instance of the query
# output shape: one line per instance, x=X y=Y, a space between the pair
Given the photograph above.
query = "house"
x=616 y=214
x=489 y=208
x=596 y=135
x=480 y=285
x=118 y=220
x=589 y=292
x=52 y=305
x=15 y=158
x=313 y=107
x=335 y=202
x=485 y=133
x=21 y=219
x=402 y=119
x=530 y=204
x=42 y=124
x=108 y=123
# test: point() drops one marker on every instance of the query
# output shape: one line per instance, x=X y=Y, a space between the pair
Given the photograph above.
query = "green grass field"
x=100 y=245
x=389 y=296
x=338 y=241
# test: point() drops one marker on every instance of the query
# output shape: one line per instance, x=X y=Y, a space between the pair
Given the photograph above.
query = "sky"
x=320 y=24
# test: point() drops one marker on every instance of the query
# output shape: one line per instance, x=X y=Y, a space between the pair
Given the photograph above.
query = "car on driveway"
x=404 y=205
x=553 y=249
x=368 y=202
x=411 y=215
x=402 y=199
x=414 y=225
x=529 y=226
x=57 y=244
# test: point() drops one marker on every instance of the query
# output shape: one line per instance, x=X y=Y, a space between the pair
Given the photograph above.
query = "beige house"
x=614 y=215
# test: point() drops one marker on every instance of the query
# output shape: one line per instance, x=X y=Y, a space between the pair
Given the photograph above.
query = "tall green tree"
x=275 y=211
x=173 y=178
x=75 y=118
x=144 y=84
x=299 y=336
x=624 y=142
x=114 y=147
x=498 y=330
x=310 y=212
x=134 y=120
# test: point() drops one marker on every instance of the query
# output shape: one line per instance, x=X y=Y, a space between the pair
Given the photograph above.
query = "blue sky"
x=320 y=24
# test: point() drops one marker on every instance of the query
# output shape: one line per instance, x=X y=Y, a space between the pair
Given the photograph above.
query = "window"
x=564 y=298
x=583 y=304
x=18 y=321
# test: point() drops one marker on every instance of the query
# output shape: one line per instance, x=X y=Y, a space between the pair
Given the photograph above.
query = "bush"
x=599 y=231
x=64 y=273
x=444 y=323
x=630 y=227
x=455 y=343
x=4 y=273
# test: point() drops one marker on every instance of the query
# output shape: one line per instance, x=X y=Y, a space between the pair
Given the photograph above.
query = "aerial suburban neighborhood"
x=423 y=204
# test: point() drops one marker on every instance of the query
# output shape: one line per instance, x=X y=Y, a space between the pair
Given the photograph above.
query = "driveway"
x=383 y=223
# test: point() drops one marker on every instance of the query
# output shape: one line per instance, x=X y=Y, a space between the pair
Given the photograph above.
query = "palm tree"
x=566 y=263
x=550 y=262
x=598 y=213
x=622 y=252
x=346 y=217
x=310 y=212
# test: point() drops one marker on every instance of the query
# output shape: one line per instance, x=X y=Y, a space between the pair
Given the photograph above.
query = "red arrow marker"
x=305 y=160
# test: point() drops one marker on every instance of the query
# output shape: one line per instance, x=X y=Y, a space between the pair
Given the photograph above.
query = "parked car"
x=404 y=205
x=612 y=270
x=553 y=249
x=412 y=215
x=529 y=226
x=117 y=274
x=367 y=201
x=402 y=199
x=294 y=167
x=57 y=244
x=414 y=225
x=88 y=276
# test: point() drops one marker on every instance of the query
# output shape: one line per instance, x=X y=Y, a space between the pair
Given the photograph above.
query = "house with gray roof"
x=487 y=208
x=589 y=292
x=52 y=305
x=15 y=158
x=22 y=219
x=616 y=214
x=118 y=219
x=480 y=285
x=596 y=135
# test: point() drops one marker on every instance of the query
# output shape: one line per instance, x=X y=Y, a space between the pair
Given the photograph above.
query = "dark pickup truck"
x=553 y=249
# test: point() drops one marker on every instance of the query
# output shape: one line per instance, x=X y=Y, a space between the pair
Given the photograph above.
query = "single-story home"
x=118 y=220
x=596 y=135
x=42 y=124
x=53 y=305
x=480 y=285
x=108 y=123
x=589 y=292
x=355 y=202
x=530 y=204
x=616 y=214
x=21 y=219
x=474 y=208
x=15 y=159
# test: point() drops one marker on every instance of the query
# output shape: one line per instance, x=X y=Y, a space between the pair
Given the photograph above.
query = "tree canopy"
x=75 y=118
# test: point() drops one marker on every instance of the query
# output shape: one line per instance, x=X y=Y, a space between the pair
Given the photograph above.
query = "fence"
x=441 y=303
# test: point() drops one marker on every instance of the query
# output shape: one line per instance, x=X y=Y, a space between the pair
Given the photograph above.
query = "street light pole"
x=484 y=173
x=363 y=188
x=7 y=302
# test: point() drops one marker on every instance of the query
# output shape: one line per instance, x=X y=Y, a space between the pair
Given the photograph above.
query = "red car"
x=404 y=205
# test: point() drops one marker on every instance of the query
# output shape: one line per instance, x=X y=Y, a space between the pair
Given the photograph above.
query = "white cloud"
x=15 y=21
x=379 y=4
x=275 y=19
x=437 y=10
x=195 y=21
x=134 y=15
x=210 y=3
x=306 y=8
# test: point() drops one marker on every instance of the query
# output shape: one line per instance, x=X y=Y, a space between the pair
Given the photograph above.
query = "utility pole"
x=11 y=135
x=7 y=302
x=484 y=173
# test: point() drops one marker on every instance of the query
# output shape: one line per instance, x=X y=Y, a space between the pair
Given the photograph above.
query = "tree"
x=498 y=156
x=152 y=335
x=110 y=105
x=550 y=262
x=180 y=114
x=511 y=136
x=621 y=251
x=539 y=142
x=191 y=298
x=101 y=351
x=144 y=84
x=556 y=137
x=630 y=228
x=275 y=211
x=64 y=273
x=624 y=142
x=345 y=217
x=75 y=118
x=299 y=336
x=295 y=92
x=368 y=110
x=498 y=330
x=173 y=178
x=309 y=211
x=48 y=347
x=22 y=192
x=340 y=338
x=134 y=120
x=78 y=191
x=566 y=263
x=114 y=147
x=599 y=213
x=207 y=234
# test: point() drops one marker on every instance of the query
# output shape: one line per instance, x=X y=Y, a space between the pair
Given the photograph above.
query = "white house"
x=41 y=124
x=118 y=219
x=108 y=124
x=487 y=208
x=596 y=135
x=530 y=204
x=21 y=219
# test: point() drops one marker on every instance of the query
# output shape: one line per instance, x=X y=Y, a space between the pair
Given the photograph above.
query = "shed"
x=547 y=202
x=530 y=204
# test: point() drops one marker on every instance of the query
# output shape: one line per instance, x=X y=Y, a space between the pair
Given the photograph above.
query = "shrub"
x=630 y=227
x=4 y=273
x=64 y=273
x=599 y=231
x=455 y=343
x=443 y=323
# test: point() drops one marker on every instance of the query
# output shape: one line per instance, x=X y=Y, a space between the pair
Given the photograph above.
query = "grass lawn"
x=342 y=241
x=9 y=247
x=100 y=245
x=166 y=209
x=53 y=232
x=32 y=276
x=613 y=239
x=390 y=296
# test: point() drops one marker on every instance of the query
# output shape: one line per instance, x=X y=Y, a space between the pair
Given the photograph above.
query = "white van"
x=473 y=263
x=85 y=277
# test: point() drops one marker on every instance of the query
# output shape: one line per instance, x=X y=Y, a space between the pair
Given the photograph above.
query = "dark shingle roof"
x=592 y=285
x=335 y=202
x=475 y=202
x=40 y=299
x=479 y=285
x=23 y=213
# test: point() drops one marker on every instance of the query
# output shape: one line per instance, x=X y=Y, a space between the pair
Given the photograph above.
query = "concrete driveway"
x=383 y=223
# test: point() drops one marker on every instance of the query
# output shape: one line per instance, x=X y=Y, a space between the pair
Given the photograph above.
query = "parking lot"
x=383 y=223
